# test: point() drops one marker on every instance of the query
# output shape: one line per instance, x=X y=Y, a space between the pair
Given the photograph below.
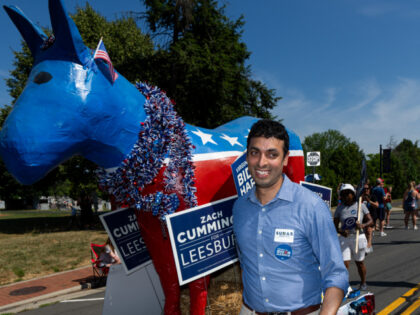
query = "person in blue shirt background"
x=380 y=195
x=287 y=244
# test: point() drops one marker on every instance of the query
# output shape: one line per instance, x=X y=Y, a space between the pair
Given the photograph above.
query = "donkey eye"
x=42 y=77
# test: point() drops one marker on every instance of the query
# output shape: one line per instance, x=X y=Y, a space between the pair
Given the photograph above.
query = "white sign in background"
x=313 y=158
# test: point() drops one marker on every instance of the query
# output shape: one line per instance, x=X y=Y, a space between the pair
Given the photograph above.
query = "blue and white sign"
x=202 y=239
x=124 y=232
x=323 y=192
x=241 y=176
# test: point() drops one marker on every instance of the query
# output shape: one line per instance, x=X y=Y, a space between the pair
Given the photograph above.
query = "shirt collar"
x=285 y=192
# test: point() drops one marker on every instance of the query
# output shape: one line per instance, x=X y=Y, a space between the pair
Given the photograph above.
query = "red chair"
x=100 y=270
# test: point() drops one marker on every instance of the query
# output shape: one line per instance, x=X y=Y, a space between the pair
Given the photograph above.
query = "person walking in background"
x=388 y=206
x=409 y=204
x=379 y=193
x=346 y=216
x=372 y=205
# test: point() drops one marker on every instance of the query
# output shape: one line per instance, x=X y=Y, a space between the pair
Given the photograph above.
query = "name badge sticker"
x=284 y=235
x=283 y=252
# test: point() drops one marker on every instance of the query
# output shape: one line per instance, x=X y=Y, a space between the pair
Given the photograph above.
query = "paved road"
x=393 y=268
x=84 y=305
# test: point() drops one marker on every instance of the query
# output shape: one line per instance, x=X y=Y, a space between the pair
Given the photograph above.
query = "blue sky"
x=350 y=65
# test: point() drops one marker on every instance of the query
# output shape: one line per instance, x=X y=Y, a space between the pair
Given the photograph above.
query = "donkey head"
x=69 y=105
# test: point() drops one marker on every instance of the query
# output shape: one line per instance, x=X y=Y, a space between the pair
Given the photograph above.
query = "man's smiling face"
x=266 y=160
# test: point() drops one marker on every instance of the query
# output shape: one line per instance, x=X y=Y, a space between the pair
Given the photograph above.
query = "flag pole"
x=97 y=47
x=359 y=207
x=359 y=192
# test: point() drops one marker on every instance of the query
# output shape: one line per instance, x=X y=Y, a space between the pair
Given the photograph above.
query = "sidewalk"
x=35 y=292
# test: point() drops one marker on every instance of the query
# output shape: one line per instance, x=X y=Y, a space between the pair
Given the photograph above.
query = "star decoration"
x=205 y=137
x=231 y=140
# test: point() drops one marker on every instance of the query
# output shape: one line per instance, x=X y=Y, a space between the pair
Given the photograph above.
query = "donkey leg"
x=160 y=251
x=198 y=295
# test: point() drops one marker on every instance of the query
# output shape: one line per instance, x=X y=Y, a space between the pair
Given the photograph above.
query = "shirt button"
x=263 y=209
x=260 y=232
x=266 y=300
x=263 y=278
x=261 y=255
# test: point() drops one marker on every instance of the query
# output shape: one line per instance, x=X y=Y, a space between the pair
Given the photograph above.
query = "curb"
x=53 y=297
x=36 y=301
x=45 y=276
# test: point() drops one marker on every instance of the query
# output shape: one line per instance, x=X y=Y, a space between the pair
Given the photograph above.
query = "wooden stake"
x=359 y=208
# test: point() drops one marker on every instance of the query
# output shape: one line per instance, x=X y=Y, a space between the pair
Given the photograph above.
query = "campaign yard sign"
x=243 y=180
x=124 y=232
x=202 y=239
x=323 y=192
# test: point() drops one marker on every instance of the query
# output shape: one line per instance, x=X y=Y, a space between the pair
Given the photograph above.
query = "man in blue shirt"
x=380 y=195
x=287 y=244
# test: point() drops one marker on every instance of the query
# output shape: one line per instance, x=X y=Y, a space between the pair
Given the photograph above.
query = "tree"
x=130 y=51
x=406 y=156
x=203 y=65
x=405 y=166
x=341 y=159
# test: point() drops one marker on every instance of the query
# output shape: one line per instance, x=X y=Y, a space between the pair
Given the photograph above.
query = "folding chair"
x=100 y=270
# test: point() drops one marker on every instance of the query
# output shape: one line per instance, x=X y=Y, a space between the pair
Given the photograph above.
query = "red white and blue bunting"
x=162 y=137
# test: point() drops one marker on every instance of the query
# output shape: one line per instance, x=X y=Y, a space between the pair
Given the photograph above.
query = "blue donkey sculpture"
x=152 y=160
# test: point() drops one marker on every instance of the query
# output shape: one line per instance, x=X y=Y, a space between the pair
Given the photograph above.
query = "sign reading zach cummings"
x=241 y=176
x=124 y=232
x=202 y=239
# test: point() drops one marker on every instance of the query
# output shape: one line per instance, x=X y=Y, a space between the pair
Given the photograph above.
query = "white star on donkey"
x=231 y=140
x=205 y=137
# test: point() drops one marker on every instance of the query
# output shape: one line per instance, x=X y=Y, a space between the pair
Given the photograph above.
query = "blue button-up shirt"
x=288 y=249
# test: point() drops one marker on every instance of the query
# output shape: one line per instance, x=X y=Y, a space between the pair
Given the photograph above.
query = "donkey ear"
x=31 y=33
x=67 y=37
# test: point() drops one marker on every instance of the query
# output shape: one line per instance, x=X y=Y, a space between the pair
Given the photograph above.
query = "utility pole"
x=380 y=160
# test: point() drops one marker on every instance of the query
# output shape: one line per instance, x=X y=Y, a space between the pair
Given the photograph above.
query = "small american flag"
x=101 y=53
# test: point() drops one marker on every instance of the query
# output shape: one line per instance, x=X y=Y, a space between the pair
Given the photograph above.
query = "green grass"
x=38 y=221
x=18 y=214
x=36 y=243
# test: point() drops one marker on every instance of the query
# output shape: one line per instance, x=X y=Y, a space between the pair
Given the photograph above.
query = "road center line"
x=411 y=308
x=394 y=305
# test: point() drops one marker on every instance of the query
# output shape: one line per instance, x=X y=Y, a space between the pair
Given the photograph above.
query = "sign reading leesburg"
x=202 y=239
x=124 y=232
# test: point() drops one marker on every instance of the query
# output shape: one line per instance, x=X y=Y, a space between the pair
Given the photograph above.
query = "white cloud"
x=377 y=9
x=404 y=9
x=367 y=90
x=330 y=96
x=367 y=112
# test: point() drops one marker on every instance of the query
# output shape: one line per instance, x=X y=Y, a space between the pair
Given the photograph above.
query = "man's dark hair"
x=269 y=128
